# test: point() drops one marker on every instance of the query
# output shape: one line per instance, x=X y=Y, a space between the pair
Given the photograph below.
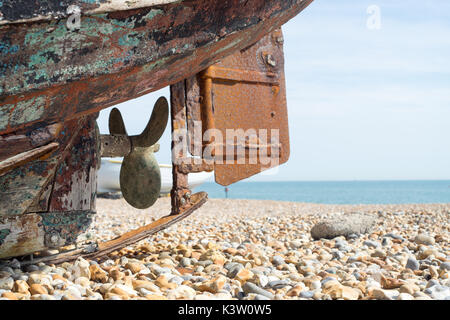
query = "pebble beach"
x=255 y=250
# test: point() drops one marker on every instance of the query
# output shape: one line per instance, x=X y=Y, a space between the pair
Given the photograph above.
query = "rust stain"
x=246 y=91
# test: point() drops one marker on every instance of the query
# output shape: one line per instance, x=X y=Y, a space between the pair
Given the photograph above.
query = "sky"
x=368 y=93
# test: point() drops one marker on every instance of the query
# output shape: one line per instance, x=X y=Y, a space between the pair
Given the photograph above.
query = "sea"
x=336 y=192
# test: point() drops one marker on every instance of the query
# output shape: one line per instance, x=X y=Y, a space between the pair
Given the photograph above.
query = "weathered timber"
x=12 y=144
x=24 y=234
x=41 y=202
x=49 y=74
x=23 y=186
x=75 y=186
x=27 y=156
x=180 y=189
x=21 y=235
x=48 y=203
x=193 y=114
x=20 y=186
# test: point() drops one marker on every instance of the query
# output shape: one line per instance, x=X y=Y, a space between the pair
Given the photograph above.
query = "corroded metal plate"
x=248 y=93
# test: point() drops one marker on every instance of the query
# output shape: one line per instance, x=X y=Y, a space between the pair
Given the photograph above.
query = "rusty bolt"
x=270 y=60
x=182 y=201
x=187 y=195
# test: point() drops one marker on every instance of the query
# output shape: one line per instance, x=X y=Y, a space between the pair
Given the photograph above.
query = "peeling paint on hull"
x=49 y=202
x=51 y=76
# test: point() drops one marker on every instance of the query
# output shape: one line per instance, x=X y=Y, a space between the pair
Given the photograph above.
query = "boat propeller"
x=140 y=176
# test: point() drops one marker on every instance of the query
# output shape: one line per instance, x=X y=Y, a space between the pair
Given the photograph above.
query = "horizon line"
x=354 y=180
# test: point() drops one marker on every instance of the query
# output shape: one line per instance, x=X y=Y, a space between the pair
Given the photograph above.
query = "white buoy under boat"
x=109 y=177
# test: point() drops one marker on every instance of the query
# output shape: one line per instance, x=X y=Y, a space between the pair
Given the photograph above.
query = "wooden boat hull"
x=53 y=81
x=50 y=74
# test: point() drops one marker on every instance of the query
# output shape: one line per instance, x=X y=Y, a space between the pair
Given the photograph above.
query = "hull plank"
x=47 y=203
x=19 y=187
x=70 y=170
x=25 y=157
x=55 y=74
x=11 y=145
x=21 y=235
x=75 y=186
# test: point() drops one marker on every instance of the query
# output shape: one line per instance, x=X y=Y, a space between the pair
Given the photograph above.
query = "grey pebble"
x=412 y=264
x=438 y=292
x=20 y=277
x=227 y=287
x=424 y=239
x=199 y=269
x=343 y=225
x=164 y=255
x=198 y=279
x=187 y=277
x=204 y=263
x=161 y=270
x=240 y=295
x=445 y=266
x=234 y=270
x=46 y=269
x=338 y=255
x=249 y=287
x=432 y=283
x=357 y=276
x=326 y=280
x=371 y=244
x=185 y=262
x=277 y=260
x=278 y=284
x=307 y=294
x=354 y=258
x=331 y=270
x=394 y=236
x=7 y=269
x=229 y=265
x=257 y=271
x=15 y=264
x=176 y=279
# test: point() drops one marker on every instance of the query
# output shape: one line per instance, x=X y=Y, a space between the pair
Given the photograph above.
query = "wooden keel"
x=47 y=202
